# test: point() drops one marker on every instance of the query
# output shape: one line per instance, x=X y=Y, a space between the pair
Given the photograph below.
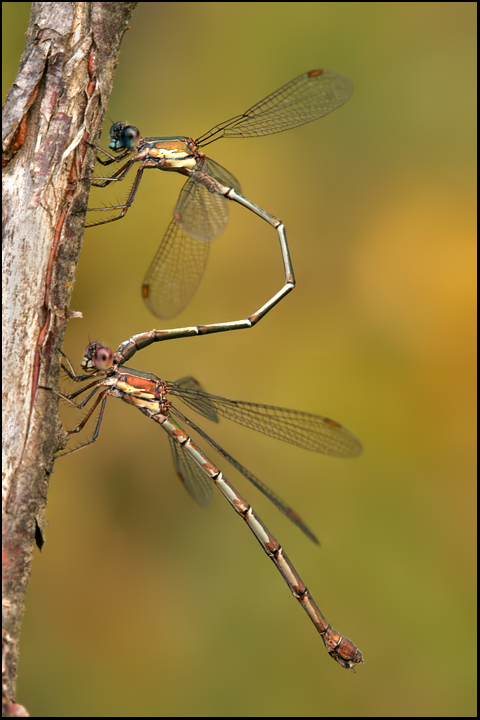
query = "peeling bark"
x=52 y=113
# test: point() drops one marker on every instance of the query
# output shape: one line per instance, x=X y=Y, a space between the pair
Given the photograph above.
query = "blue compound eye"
x=129 y=137
x=123 y=137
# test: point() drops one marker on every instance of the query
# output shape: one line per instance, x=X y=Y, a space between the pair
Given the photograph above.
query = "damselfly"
x=152 y=397
x=201 y=212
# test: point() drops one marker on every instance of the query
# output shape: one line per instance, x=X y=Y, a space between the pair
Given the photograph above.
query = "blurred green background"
x=144 y=604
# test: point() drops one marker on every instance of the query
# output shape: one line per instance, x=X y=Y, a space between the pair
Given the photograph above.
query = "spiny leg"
x=125 y=206
x=118 y=176
x=102 y=398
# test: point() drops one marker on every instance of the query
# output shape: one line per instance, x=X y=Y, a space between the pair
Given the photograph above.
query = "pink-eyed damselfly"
x=151 y=395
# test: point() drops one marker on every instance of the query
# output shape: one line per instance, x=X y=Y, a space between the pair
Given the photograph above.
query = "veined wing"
x=308 y=97
x=200 y=211
x=178 y=266
x=280 y=504
x=201 y=402
x=175 y=272
x=305 y=430
x=197 y=484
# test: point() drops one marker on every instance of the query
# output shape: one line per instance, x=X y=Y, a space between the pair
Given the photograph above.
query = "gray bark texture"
x=51 y=120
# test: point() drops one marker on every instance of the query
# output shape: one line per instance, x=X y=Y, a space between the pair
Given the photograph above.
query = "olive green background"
x=142 y=603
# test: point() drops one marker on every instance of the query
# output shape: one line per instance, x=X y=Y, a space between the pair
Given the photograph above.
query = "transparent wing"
x=178 y=266
x=305 y=430
x=309 y=97
x=222 y=174
x=201 y=212
x=175 y=272
x=197 y=484
x=288 y=511
x=202 y=403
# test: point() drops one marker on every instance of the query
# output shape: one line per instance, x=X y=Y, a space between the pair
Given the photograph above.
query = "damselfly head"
x=124 y=137
x=96 y=357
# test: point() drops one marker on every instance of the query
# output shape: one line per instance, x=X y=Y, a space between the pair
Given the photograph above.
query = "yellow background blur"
x=142 y=603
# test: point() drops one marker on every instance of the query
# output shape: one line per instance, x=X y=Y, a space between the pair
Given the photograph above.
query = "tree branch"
x=52 y=115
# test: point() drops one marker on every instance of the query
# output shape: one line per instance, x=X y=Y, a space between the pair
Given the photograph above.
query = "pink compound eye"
x=102 y=357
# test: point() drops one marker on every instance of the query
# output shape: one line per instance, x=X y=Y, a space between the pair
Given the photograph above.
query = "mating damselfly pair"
x=200 y=216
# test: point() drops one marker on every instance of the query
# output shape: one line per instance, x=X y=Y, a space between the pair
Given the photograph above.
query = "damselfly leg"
x=155 y=399
x=201 y=212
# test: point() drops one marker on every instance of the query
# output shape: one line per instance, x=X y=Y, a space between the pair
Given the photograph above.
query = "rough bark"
x=52 y=115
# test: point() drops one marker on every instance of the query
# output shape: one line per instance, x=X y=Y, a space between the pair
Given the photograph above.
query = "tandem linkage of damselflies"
x=200 y=216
